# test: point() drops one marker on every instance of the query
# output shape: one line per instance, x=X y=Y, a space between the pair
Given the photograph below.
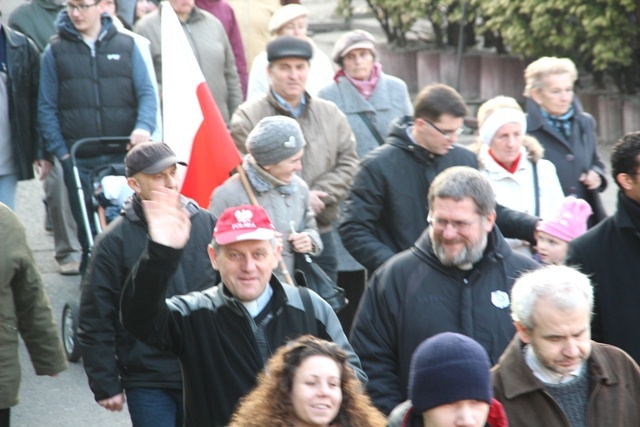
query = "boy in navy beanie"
x=449 y=385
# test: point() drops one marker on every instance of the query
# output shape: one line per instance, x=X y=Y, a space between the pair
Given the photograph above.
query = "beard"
x=469 y=255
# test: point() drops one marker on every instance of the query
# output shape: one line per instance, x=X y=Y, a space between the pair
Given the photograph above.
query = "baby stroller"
x=92 y=205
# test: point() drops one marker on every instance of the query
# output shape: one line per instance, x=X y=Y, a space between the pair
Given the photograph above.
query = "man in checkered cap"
x=224 y=335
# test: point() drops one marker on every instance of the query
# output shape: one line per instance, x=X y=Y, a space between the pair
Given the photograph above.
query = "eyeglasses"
x=439 y=224
x=449 y=134
x=79 y=7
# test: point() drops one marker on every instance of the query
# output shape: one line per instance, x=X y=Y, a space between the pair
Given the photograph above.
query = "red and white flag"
x=193 y=125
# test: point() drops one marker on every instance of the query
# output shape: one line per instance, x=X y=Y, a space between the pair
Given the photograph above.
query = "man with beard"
x=552 y=373
x=455 y=278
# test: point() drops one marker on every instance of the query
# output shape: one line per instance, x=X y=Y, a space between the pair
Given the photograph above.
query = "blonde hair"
x=536 y=72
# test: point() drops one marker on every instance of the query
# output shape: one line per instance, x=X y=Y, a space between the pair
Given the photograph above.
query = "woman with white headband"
x=521 y=179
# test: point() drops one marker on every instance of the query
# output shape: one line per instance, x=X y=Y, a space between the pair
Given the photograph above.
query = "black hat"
x=150 y=158
x=446 y=368
x=288 y=47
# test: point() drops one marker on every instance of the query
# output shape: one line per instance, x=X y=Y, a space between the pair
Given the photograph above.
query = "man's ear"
x=213 y=256
x=133 y=184
x=491 y=221
x=523 y=332
x=625 y=181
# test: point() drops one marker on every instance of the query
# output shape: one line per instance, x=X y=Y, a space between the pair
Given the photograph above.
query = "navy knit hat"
x=446 y=368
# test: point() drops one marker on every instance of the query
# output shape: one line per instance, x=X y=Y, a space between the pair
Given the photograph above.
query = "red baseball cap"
x=245 y=222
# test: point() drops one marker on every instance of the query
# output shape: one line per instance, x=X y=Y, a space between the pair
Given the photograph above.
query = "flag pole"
x=254 y=201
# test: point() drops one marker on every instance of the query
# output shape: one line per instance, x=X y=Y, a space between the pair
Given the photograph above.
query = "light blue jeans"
x=8 y=185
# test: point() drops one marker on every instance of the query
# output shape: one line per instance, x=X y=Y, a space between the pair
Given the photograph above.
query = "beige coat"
x=329 y=161
x=212 y=50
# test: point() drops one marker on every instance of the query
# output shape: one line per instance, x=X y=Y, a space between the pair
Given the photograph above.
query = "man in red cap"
x=223 y=335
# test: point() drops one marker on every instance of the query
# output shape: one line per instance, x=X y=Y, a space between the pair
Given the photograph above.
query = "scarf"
x=263 y=181
x=563 y=124
x=514 y=166
x=365 y=87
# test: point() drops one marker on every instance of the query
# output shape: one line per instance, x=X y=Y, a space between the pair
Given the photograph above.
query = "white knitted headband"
x=501 y=117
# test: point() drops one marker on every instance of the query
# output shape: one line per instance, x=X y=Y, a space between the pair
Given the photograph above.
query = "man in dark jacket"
x=114 y=361
x=20 y=143
x=224 y=335
x=93 y=83
x=609 y=254
x=386 y=209
x=456 y=278
x=552 y=374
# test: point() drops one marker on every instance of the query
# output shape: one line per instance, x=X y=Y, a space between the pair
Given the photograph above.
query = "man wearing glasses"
x=93 y=83
x=457 y=277
x=386 y=209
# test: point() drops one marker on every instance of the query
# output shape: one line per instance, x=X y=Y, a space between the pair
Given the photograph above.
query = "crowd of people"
x=477 y=275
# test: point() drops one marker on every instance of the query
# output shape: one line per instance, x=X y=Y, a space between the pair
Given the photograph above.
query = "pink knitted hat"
x=570 y=222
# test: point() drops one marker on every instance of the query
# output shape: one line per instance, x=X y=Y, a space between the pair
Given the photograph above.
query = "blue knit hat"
x=446 y=368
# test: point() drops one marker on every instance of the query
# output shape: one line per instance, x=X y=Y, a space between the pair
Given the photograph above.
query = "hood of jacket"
x=399 y=138
x=48 y=4
x=497 y=250
x=132 y=209
x=66 y=29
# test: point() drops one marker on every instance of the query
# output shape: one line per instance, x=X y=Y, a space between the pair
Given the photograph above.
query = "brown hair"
x=269 y=404
x=436 y=100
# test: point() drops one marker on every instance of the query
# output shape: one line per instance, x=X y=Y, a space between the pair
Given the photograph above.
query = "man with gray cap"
x=114 y=361
x=276 y=146
x=329 y=160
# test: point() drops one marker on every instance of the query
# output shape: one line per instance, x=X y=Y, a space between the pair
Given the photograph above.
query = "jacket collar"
x=67 y=30
x=517 y=379
x=282 y=111
x=354 y=102
x=626 y=210
x=278 y=299
x=497 y=249
x=398 y=138
x=132 y=209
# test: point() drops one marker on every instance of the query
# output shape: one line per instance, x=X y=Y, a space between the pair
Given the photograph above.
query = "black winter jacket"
x=113 y=359
x=220 y=346
x=414 y=296
x=386 y=210
x=96 y=89
x=23 y=72
x=609 y=255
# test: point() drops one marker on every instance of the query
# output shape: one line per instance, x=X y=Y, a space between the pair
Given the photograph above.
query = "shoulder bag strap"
x=310 y=316
x=536 y=189
x=372 y=128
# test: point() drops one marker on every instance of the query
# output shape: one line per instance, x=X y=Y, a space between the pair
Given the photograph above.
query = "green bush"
x=599 y=35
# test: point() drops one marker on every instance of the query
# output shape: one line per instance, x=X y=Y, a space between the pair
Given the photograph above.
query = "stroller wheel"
x=70 y=331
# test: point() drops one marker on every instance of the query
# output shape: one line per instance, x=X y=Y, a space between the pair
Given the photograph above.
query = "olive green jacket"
x=24 y=310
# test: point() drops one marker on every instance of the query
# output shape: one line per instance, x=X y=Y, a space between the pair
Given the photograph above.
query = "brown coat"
x=614 y=390
x=329 y=161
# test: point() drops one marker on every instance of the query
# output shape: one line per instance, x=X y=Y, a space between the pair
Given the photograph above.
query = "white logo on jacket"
x=500 y=299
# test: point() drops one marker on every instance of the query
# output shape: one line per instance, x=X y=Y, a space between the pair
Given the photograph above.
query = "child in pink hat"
x=554 y=235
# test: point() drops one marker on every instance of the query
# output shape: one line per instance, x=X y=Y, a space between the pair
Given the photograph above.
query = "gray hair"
x=460 y=182
x=539 y=69
x=216 y=246
x=565 y=287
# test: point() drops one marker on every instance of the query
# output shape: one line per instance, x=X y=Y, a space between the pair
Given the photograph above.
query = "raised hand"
x=167 y=219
